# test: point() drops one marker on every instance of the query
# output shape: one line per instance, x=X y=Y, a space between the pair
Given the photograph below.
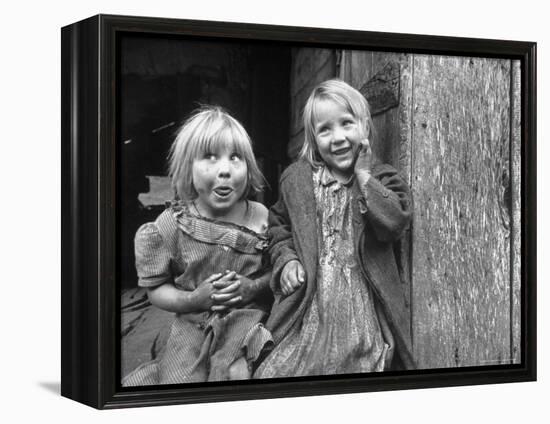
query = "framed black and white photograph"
x=259 y=211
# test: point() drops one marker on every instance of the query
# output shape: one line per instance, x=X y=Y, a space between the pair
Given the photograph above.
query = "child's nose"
x=338 y=134
x=224 y=168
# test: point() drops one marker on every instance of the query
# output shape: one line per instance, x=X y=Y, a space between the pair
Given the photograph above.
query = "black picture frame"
x=90 y=322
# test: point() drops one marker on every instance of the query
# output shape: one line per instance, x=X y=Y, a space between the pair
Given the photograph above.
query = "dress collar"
x=326 y=178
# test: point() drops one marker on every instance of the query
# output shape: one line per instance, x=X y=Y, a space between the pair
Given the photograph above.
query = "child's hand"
x=226 y=292
x=239 y=291
x=292 y=277
x=363 y=163
x=202 y=295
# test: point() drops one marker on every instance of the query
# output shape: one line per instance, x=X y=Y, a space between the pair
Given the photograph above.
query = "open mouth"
x=342 y=151
x=223 y=191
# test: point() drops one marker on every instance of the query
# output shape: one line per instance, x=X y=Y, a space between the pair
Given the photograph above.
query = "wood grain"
x=306 y=62
x=309 y=67
x=391 y=135
x=449 y=135
x=461 y=258
x=516 y=210
x=382 y=89
x=402 y=154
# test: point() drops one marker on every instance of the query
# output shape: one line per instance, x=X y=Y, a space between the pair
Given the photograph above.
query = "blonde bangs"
x=343 y=95
x=209 y=130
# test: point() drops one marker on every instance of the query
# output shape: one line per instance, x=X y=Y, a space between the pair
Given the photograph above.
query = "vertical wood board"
x=461 y=257
x=306 y=62
x=516 y=211
x=364 y=65
x=403 y=155
x=321 y=65
x=391 y=137
x=309 y=67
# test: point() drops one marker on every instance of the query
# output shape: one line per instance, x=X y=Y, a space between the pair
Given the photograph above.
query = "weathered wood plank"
x=326 y=69
x=160 y=189
x=361 y=67
x=391 y=134
x=516 y=210
x=387 y=136
x=404 y=148
x=461 y=257
x=306 y=62
x=402 y=161
x=376 y=75
x=382 y=89
x=309 y=68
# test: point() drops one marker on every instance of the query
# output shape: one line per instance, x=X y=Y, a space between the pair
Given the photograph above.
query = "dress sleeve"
x=386 y=203
x=152 y=257
x=281 y=247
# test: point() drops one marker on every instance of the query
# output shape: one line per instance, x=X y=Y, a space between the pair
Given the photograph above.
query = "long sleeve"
x=281 y=247
x=386 y=203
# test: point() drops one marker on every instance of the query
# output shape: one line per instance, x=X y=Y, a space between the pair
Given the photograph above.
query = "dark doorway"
x=161 y=81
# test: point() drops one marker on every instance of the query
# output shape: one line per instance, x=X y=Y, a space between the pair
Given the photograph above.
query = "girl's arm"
x=169 y=298
x=153 y=265
x=281 y=246
x=386 y=201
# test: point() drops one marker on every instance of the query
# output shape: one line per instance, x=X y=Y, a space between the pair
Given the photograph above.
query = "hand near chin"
x=363 y=163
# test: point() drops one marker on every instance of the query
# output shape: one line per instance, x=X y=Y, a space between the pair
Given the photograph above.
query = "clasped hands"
x=222 y=291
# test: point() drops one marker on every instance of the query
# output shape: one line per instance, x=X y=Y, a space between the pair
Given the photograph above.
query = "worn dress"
x=185 y=249
x=340 y=332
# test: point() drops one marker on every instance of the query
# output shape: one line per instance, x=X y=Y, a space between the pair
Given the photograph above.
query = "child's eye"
x=322 y=130
x=348 y=122
x=209 y=156
x=236 y=157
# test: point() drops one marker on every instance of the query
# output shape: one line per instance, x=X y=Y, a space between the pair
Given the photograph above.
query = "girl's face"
x=219 y=178
x=338 y=137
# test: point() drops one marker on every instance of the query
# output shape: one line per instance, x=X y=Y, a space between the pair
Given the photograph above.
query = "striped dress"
x=185 y=249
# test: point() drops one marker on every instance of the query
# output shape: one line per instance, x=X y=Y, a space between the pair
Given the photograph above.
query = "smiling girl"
x=339 y=302
x=203 y=257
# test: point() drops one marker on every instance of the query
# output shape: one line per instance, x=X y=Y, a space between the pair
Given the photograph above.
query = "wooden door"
x=451 y=126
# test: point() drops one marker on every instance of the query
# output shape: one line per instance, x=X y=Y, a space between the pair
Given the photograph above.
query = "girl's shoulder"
x=297 y=169
x=159 y=231
x=148 y=240
x=257 y=217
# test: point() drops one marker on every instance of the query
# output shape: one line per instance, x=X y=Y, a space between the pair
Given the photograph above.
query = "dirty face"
x=338 y=138
x=219 y=178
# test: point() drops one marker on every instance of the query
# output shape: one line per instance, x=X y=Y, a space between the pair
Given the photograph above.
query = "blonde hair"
x=207 y=128
x=342 y=94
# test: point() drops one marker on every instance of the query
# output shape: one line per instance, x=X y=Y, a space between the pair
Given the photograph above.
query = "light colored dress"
x=340 y=332
x=185 y=249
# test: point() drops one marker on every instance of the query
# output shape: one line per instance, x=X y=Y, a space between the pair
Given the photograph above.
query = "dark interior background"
x=163 y=80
